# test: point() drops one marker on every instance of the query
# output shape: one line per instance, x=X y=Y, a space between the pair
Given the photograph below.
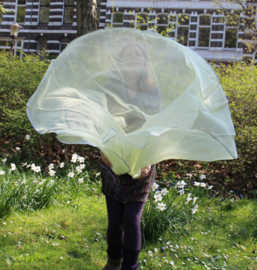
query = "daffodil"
x=74 y=158
x=61 y=164
x=51 y=166
x=195 y=209
x=70 y=174
x=181 y=184
x=81 y=159
x=194 y=200
x=202 y=176
x=157 y=197
x=155 y=186
x=51 y=172
x=161 y=206
x=164 y=191
x=13 y=167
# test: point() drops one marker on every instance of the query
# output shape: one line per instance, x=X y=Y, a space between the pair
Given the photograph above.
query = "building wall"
x=51 y=24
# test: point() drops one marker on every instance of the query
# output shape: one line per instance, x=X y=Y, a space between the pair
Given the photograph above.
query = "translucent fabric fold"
x=140 y=97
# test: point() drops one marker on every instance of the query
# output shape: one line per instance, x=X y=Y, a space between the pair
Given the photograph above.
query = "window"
x=21 y=11
x=162 y=23
x=231 y=31
x=142 y=20
x=231 y=38
x=183 y=29
x=44 y=11
x=64 y=43
x=1 y=16
x=117 y=19
x=68 y=11
x=204 y=31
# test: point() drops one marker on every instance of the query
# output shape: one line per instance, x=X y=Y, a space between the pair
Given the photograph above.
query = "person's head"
x=135 y=66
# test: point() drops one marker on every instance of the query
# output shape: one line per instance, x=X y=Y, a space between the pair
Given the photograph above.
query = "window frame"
x=16 y=12
x=40 y=6
x=199 y=26
x=121 y=24
x=64 y=6
x=182 y=26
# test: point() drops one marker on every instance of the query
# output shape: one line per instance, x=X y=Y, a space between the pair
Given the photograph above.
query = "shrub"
x=20 y=78
x=239 y=82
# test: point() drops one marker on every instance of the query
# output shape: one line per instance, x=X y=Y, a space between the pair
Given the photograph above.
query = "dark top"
x=124 y=188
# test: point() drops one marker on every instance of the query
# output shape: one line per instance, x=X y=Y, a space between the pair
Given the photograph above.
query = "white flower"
x=13 y=167
x=189 y=175
x=181 y=184
x=156 y=250
x=27 y=137
x=78 y=168
x=202 y=176
x=188 y=200
x=51 y=182
x=81 y=159
x=61 y=164
x=195 y=209
x=194 y=200
x=181 y=192
x=197 y=184
x=80 y=180
x=210 y=187
x=33 y=167
x=82 y=166
x=37 y=191
x=70 y=174
x=157 y=197
x=63 y=150
x=51 y=173
x=4 y=160
x=2 y=172
x=172 y=263
x=74 y=158
x=37 y=169
x=51 y=166
x=17 y=148
x=161 y=206
x=203 y=185
x=155 y=186
x=164 y=191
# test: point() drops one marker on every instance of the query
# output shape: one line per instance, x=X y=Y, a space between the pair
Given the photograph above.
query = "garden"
x=200 y=215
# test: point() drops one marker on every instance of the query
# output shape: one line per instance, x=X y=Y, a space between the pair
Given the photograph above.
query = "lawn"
x=69 y=230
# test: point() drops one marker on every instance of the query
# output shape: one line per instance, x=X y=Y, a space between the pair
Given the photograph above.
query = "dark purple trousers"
x=123 y=233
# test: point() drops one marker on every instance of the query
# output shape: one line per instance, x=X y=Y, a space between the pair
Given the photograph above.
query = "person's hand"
x=105 y=160
x=144 y=172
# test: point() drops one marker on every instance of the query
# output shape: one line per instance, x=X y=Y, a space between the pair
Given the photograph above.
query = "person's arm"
x=106 y=161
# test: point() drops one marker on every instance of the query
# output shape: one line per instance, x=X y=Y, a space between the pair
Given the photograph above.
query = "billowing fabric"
x=140 y=97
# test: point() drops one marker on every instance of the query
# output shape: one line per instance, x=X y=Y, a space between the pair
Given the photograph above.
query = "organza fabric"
x=140 y=97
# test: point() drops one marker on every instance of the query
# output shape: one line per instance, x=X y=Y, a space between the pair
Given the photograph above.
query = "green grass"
x=28 y=239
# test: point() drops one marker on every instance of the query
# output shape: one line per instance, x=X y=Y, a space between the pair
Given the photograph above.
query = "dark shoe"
x=113 y=264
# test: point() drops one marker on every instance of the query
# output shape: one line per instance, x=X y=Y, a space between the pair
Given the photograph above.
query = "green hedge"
x=20 y=77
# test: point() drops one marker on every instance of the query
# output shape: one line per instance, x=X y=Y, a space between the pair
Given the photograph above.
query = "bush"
x=20 y=78
x=239 y=83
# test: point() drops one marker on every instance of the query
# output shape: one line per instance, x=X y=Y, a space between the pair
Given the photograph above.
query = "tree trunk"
x=86 y=16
